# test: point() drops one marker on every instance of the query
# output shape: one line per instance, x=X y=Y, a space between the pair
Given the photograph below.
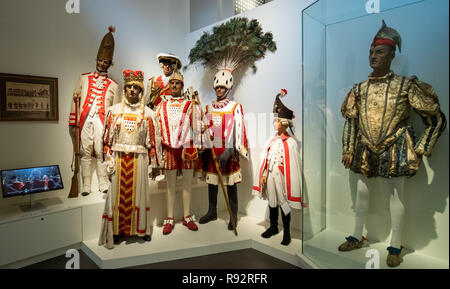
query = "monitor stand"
x=32 y=205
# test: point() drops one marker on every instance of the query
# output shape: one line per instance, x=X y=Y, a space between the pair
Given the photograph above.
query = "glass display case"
x=337 y=36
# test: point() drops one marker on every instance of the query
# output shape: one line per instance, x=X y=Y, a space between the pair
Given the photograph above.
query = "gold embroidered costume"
x=377 y=131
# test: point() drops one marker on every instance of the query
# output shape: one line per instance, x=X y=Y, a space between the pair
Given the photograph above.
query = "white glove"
x=110 y=163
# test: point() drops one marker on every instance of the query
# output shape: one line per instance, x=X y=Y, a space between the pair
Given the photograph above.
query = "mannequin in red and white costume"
x=280 y=179
x=225 y=126
x=158 y=88
x=132 y=144
x=94 y=93
x=180 y=122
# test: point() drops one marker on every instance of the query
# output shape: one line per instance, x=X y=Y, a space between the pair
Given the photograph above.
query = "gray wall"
x=206 y=12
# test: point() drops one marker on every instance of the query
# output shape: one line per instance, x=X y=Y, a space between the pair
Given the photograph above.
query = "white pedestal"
x=211 y=238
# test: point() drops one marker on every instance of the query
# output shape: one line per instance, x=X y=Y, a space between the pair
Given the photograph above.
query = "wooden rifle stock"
x=74 y=188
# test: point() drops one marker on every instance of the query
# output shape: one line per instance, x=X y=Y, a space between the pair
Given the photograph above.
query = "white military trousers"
x=92 y=143
x=275 y=190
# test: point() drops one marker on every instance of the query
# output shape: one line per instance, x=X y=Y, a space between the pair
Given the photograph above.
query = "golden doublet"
x=377 y=111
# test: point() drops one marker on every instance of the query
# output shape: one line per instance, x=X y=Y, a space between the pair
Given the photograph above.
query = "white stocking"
x=187 y=185
x=395 y=188
x=363 y=188
x=171 y=180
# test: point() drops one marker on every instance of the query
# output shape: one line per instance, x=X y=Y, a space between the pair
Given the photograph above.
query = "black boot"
x=116 y=239
x=233 y=199
x=273 y=229
x=286 y=228
x=147 y=238
x=211 y=215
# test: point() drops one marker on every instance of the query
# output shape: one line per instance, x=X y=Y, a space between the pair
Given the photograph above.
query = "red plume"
x=112 y=29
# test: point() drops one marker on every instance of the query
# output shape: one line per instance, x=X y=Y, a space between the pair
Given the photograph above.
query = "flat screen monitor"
x=18 y=182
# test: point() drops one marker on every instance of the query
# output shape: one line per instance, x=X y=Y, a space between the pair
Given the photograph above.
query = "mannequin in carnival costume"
x=234 y=45
x=180 y=123
x=158 y=88
x=225 y=122
x=379 y=143
x=132 y=144
x=95 y=93
x=280 y=177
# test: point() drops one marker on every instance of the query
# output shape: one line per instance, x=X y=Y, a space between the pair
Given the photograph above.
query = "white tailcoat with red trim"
x=97 y=92
x=291 y=168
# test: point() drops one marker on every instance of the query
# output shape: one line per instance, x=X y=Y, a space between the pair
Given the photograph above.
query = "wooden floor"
x=241 y=259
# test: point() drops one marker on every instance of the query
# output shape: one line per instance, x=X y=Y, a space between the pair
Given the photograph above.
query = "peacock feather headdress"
x=238 y=43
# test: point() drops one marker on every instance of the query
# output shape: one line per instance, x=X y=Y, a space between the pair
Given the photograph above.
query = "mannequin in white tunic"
x=280 y=178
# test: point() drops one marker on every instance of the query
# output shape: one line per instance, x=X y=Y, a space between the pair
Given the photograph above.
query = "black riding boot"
x=211 y=215
x=286 y=228
x=233 y=199
x=116 y=239
x=273 y=229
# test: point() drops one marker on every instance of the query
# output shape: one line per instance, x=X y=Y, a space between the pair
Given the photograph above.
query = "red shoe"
x=189 y=222
x=168 y=226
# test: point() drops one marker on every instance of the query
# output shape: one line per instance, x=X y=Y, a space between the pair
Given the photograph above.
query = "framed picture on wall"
x=28 y=98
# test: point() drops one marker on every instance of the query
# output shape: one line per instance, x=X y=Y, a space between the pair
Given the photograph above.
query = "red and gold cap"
x=388 y=36
x=131 y=77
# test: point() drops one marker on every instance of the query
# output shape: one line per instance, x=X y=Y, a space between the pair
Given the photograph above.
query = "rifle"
x=74 y=188
x=153 y=94
x=219 y=173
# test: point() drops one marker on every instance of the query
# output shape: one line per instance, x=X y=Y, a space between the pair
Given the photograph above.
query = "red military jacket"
x=165 y=90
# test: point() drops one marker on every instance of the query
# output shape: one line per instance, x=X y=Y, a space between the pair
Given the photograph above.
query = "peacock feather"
x=238 y=42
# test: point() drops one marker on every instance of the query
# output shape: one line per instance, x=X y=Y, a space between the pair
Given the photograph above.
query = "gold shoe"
x=394 y=257
x=351 y=244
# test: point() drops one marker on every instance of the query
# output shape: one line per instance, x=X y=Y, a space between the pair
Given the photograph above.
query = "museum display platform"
x=211 y=238
x=65 y=224
x=324 y=249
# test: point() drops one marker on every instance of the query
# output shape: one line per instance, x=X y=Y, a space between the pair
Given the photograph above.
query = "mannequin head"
x=221 y=92
x=280 y=126
x=176 y=86
x=380 y=58
x=132 y=93
x=103 y=65
x=168 y=67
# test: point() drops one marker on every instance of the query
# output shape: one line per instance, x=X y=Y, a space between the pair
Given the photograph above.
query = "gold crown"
x=131 y=77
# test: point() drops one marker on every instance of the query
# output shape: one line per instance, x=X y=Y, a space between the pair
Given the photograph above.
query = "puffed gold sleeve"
x=349 y=111
x=425 y=102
